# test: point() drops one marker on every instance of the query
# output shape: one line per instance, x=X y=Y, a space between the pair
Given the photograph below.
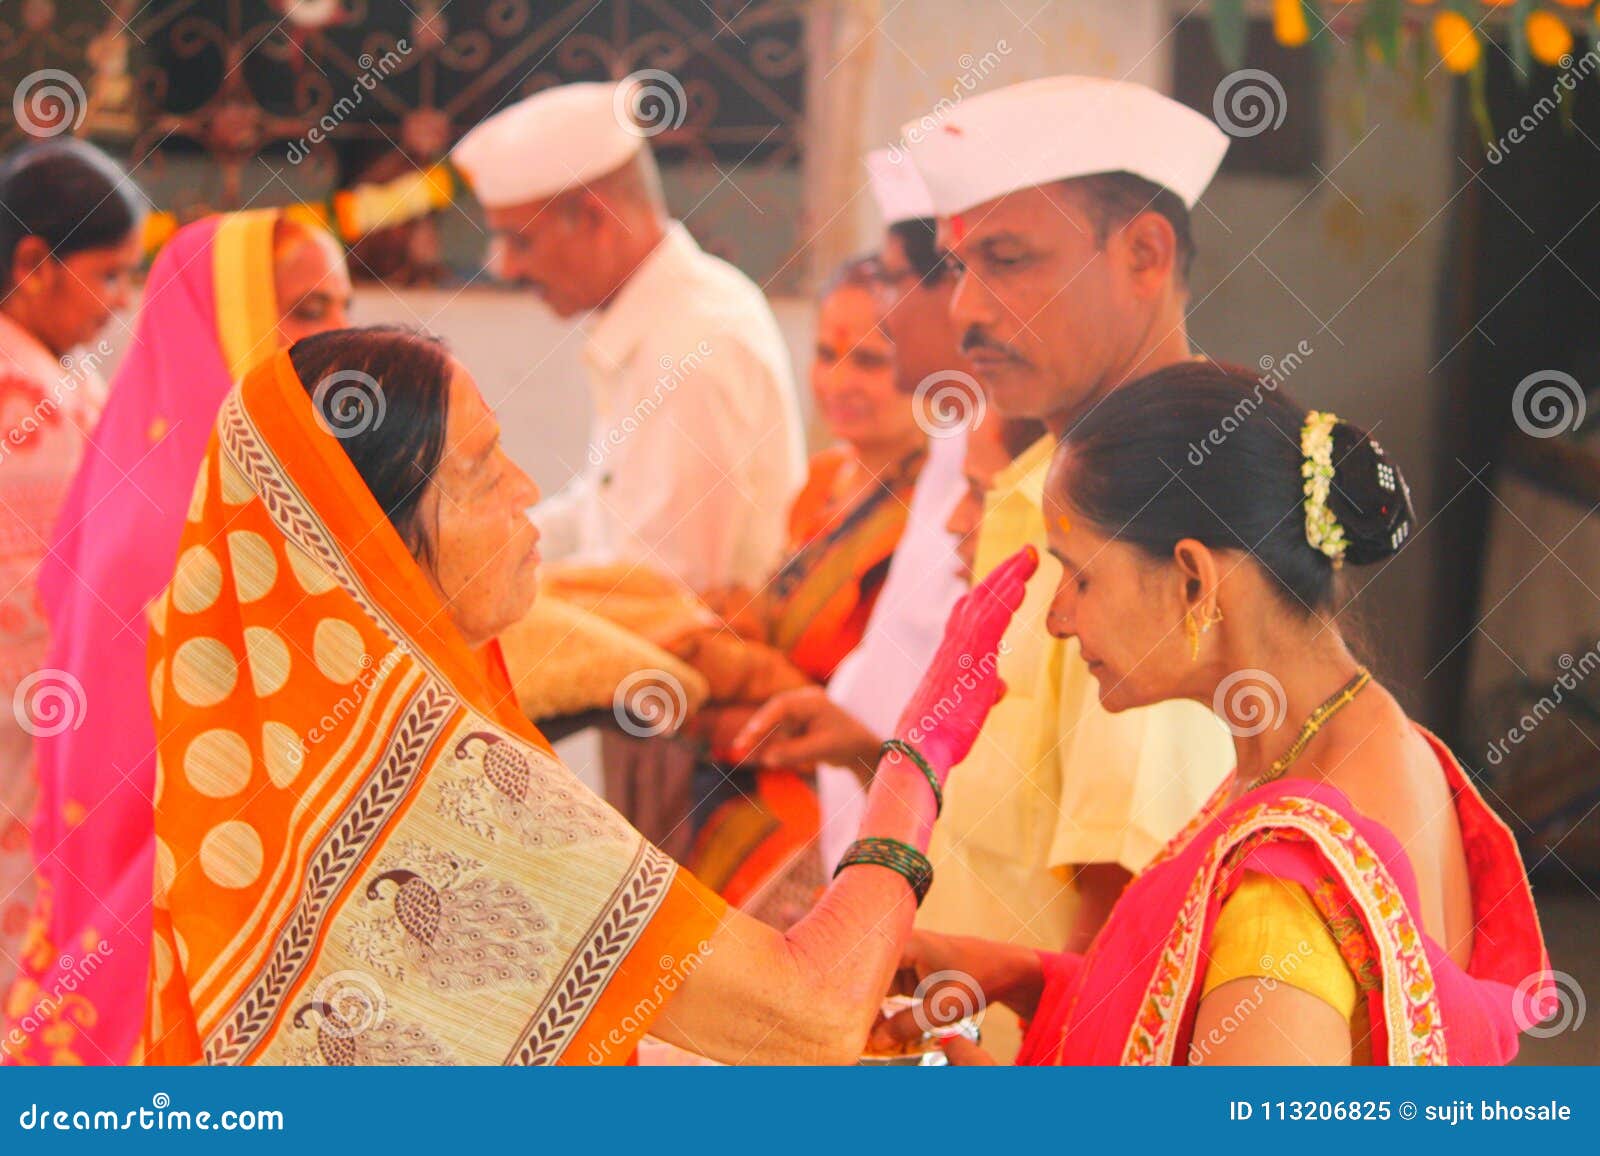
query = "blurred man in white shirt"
x=697 y=445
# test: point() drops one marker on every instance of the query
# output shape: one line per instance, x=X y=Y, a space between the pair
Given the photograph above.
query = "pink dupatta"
x=1132 y=998
x=208 y=313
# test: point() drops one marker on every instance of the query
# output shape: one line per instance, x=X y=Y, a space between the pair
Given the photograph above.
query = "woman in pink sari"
x=69 y=245
x=225 y=293
x=1346 y=897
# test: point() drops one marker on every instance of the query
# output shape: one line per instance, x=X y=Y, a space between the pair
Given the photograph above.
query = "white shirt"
x=697 y=447
x=875 y=680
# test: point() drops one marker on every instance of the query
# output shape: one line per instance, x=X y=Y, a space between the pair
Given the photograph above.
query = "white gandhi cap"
x=555 y=140
x=1057 y=128
x=898 y=187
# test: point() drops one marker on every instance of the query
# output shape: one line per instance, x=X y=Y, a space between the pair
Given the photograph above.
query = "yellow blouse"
x=1270 y=929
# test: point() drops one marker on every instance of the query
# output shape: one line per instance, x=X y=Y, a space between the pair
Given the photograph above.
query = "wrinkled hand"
x=946 y=712
x=804 y=727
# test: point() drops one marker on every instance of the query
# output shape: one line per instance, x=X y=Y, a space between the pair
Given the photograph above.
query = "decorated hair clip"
x=1316 y=449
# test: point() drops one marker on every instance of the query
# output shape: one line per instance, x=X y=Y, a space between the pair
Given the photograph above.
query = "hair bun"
x=1369 y=497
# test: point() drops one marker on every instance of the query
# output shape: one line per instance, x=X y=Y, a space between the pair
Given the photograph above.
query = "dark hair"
x=920 y=239
x=67 y=193
x=1211 y=452
x=384 y=392
x=862 y=272
x=1114 y=199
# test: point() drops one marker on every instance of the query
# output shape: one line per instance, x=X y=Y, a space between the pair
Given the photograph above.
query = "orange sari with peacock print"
x=364 y=853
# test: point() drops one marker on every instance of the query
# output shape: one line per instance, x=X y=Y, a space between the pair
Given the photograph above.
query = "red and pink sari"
x=1132 y=998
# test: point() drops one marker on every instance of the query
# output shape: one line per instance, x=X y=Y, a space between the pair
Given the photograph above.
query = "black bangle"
x=902 y=747
x=901 y=858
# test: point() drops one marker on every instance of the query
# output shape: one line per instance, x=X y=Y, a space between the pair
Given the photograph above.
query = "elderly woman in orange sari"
x=69 y=246
x=225 y=292
x=758 y=844
x=365 y=854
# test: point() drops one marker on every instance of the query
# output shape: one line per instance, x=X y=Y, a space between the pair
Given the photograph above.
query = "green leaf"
x=1521 y=57
x=1230 y=30
x=1478 y=96
x=1322 y=38
x=1381 y=22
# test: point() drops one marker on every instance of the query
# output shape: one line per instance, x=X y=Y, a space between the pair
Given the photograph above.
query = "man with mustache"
x=1065 y=202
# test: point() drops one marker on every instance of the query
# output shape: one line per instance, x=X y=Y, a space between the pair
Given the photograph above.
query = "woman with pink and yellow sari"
x=225 y=292
x=69 y=245
x=1346 y=897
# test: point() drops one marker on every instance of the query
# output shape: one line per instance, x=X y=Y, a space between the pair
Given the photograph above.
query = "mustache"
x=975 y=339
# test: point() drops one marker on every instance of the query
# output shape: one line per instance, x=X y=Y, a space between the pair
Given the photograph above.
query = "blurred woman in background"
x=758 y=846
x=225 y=293
x=69 y=247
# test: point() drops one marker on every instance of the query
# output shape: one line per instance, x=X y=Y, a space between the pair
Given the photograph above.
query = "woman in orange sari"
x=758 y=846
x=1346 y=897
x=69 y=246
x=365 y=854
x=225 y=292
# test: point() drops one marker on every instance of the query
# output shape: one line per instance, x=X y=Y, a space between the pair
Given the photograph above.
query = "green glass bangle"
x=900 y=746
x=901 y=858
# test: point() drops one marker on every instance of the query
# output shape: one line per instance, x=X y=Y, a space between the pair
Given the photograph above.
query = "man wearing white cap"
x=697 y=446
x=1066 y=202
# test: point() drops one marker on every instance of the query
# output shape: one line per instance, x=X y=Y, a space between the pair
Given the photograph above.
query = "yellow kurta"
x=1055 y=780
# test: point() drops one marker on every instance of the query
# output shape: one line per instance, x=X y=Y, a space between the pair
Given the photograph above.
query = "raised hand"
x=945 y=713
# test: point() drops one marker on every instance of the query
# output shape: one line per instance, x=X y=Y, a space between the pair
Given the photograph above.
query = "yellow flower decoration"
x=1457 y=42
x=1289 y=23
x=1548 y=37
x=158 y=230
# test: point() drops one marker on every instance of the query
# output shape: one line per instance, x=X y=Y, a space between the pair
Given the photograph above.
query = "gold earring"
x=1193 y=633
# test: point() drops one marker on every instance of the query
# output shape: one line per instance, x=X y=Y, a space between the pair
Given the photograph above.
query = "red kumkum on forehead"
x=958 y=228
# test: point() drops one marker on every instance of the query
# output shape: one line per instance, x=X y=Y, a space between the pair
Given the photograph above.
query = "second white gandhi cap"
x=898 y=187
x=547 y=143
x=1057 y=128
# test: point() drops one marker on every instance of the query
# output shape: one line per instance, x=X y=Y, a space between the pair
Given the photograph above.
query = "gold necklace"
x=1340 y=699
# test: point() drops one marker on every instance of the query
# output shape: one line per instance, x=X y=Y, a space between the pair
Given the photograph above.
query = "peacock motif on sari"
x=507 y=791
x=340 y=1042
x=441 y=917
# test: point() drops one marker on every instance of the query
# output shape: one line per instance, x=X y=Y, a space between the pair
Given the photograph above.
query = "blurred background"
x=1405 y=232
